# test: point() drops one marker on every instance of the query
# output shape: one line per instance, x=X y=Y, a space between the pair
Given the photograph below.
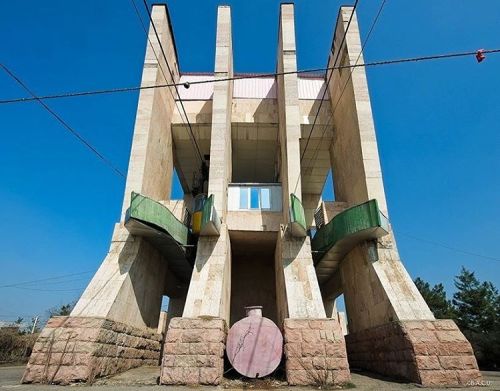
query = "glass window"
x=254 y=198
x=265 y=199
x=244 y=198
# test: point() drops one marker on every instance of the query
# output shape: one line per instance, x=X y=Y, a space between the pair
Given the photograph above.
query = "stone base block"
x=194 y=351
x=431 y=353
x=80 y=349
x=315 y=352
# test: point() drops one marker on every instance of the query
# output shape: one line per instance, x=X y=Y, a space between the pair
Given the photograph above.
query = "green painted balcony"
x=346 y=230
x=155 y=223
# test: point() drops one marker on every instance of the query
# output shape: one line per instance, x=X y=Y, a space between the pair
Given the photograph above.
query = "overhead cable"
x=64 y=123
x=325 y=91
x=253 y=76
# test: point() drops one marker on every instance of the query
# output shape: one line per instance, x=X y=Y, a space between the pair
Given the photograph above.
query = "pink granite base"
x=431 y=353
x=194 y=351
x=80 y=349
x=315 y=352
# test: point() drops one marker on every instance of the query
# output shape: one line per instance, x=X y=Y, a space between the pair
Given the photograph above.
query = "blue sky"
x=437 y=125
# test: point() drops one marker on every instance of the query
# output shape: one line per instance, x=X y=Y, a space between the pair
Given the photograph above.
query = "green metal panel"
x=153 y=213
x=210 y=222
x=348 y=228
x=207 y=211
x=297 y=216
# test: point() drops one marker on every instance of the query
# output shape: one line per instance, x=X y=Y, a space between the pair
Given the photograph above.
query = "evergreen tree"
x=63 y=310
x=435 y=298
x=475 y=302
x=477 y=308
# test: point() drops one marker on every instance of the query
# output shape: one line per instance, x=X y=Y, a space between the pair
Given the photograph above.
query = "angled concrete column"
x=381 y=298
x=220 y=143
x=116 y=292
x=122 y=301
x=358 y=178
x=203 y=326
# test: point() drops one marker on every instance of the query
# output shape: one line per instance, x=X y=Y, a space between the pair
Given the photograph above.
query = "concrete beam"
x=150 y=167
x=220 y=144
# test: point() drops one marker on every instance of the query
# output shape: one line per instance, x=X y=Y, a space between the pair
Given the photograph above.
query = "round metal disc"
x=254 y=346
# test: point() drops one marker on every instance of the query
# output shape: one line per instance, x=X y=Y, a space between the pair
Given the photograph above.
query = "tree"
x=63 y=310
x=477 y=308
x=476 y=302
x=435 y=298
x=18 y=321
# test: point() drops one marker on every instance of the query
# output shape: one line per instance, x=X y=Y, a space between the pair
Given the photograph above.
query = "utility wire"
x=241 y=77
x=193 y=139
x=325 y=91
x=63 y=122
x=458 y=250
x=48 y=290
x=334 y=109
x=174 y=84
x=44 y=279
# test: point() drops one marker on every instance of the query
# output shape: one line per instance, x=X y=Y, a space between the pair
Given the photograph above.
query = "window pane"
x=265 y=199
x=254 y=200
x=243 y=198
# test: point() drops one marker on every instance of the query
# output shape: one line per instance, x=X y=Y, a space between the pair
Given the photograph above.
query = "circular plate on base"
x=254 y=346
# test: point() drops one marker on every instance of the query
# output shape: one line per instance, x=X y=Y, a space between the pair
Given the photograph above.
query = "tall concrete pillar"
x=123 y=299
x=307 y=331
x=203 y=326
x=288 y=109
x=150 y=168
x=220 y=138
x=382 y=301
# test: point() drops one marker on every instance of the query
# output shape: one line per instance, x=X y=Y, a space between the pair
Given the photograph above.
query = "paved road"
x=140 y=378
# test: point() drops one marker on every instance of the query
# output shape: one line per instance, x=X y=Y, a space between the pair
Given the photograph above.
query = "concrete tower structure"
x=262 y=235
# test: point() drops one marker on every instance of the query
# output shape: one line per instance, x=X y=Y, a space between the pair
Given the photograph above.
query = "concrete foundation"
x=194 y=351
x=80 y=349
x=431 y=353
x=315 y=352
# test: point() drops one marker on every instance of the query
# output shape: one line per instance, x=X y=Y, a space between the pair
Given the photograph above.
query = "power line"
x=241 y=77
x=330 y=77
x=64 y=123
x=47 y=289
x=190 y=129
x=334 y=109
x=192 y=138
x=450 y=247
x=44 y=279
